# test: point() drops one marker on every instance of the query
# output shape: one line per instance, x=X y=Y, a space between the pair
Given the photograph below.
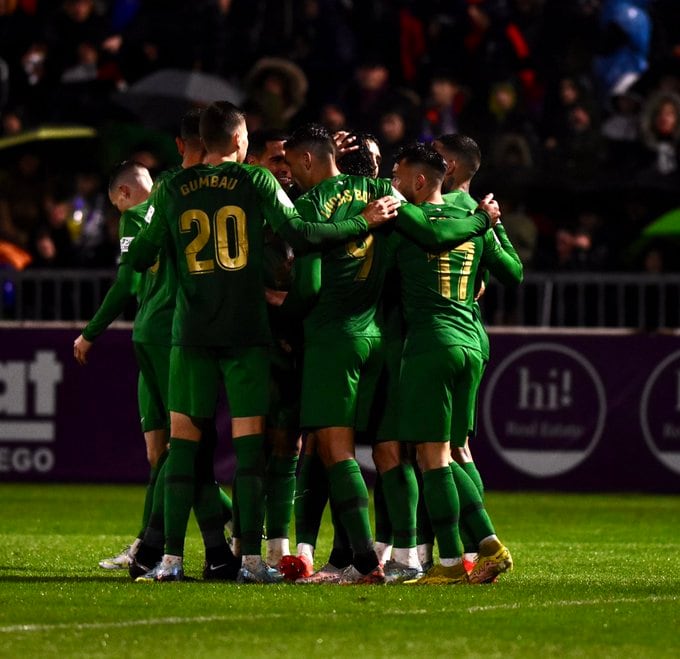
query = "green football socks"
x=179 y=493
x=249 y=481
x=311 y=496
x=472 y=511
x=150 y=490
x=280 y=493
x=350 y=500
x=441 y=499
x=401 y=495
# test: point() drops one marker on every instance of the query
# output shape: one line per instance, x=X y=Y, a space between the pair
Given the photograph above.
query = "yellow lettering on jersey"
x=184 y=189
x=227 y=183
x=444 y=272
x=204 y=182
x=468 y=250
x=344 y=197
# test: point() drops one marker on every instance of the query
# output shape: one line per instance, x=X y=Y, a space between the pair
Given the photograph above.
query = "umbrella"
x=664 y=231
x=160 y=99
x=59 y=147
x=47 y=133
x=666 y=225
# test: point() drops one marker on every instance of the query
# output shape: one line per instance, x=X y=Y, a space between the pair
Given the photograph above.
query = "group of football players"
x=347 y=314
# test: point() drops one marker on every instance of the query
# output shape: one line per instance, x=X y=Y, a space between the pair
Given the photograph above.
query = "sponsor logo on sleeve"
x=125 y=244
x=149 y=214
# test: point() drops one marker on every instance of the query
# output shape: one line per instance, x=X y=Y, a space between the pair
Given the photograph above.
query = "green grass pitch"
x=595 y=576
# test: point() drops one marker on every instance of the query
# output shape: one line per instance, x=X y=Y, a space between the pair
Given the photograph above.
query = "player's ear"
x=450 y=166
x=179 y=143
x=307 y=159
x=420 y=181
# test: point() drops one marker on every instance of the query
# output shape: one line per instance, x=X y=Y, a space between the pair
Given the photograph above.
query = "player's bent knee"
x=156 y=445
x=386 y=456
x=433 y=455
x=183 y=426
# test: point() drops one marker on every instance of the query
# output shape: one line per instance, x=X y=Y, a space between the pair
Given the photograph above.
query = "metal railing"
x=620 y=300
x=594 y=299
x=53 y=294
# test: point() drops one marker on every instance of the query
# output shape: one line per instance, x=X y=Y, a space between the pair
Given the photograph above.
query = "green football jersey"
x=438 y=289
x=127 y=283
x=461 y=199
x=214 y=217
x=157 y=291
x=503 y=263
x=352 y=274
x=465 y=201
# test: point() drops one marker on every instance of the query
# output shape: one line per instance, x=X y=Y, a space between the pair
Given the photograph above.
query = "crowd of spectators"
x=575 y=104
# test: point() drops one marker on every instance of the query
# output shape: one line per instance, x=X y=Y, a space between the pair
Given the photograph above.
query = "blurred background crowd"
x=575 y=104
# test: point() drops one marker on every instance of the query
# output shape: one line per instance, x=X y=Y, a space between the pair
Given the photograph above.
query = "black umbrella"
x=160 y=99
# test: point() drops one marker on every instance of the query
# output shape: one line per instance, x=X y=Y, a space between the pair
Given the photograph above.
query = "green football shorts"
x=152 y=385
x=475 y=421
x=196 y=374
x=438 y=393
x=338 y=382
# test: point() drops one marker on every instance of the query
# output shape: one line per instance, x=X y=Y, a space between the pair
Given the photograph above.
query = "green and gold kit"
x=127 y=283
x=505 y=264
x=438 y=288
x=214 y=217
x=351 y=274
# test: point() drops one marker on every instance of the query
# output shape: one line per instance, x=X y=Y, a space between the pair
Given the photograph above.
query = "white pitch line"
x=565 y=603
x=13 y=629
x=77 y=626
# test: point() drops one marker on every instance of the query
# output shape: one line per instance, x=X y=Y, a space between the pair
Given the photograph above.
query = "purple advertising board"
x=60 y=421
x=581 y=410
x=563 y=410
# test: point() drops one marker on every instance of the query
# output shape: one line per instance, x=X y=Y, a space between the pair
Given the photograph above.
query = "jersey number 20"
x=230 y=235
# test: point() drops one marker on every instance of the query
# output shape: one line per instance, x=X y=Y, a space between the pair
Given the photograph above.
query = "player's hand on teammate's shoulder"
x=492 y=209
x=381 y=210
x=81 y=346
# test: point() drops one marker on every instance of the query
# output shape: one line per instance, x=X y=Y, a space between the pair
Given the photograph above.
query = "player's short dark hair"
x=424 y=155
x=218 y=123
x=189 y=125
x=257 y=140
x=314 y=138
x=122 y=171
x=360 y=161
x=463 y=148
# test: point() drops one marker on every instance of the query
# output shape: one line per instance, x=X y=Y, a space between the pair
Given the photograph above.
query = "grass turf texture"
x=595 y=576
